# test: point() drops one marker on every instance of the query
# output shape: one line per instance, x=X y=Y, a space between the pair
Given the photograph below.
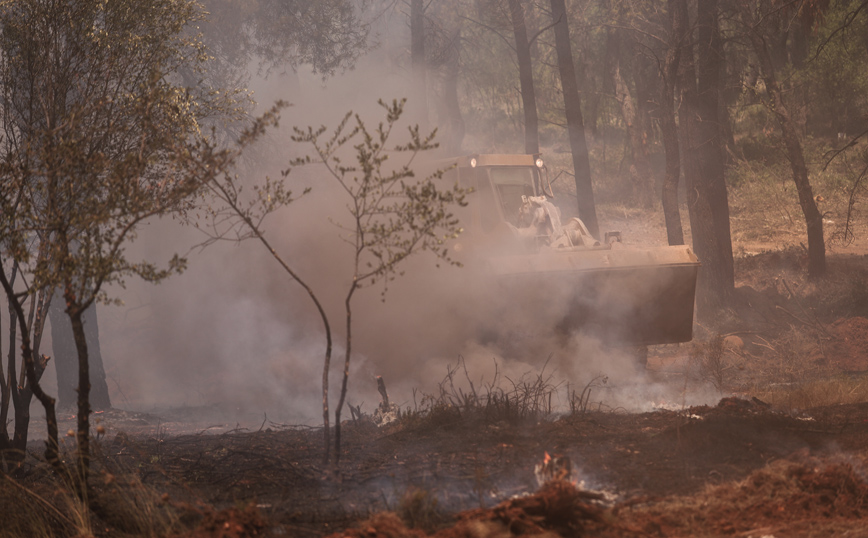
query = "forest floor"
x=783 y=453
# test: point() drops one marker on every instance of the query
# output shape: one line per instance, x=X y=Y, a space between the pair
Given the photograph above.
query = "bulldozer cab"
x=503 y=189
x=512 y=186
x=509 y=200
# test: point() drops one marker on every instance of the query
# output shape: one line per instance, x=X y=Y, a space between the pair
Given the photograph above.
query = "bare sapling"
x=392 y=213
x=235 y=217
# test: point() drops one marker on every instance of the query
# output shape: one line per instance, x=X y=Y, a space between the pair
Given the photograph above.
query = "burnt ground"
x=777 y=456
x=724 y=470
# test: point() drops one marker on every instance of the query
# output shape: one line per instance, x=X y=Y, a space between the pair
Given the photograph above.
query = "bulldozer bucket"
x=633 y=296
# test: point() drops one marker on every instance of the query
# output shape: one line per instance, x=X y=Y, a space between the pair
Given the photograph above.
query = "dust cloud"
x=237 y=335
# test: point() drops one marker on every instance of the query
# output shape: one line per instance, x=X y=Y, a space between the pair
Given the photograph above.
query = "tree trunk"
x=640 y=170
x=18 y=387
x=575 y=125
x=798 y=54
x=83 y=416
x=66 y=356
x=525 y=76
x=23 y=399
x=698 y=147
x=669 y=129
x=6 y=389
x=813 y=218
x=99 y=394
x=346 y=376
x=419 y=102
x=793 y=147
x=455 y=123
x=18 y=394
x=709 y=55
x=33 y=374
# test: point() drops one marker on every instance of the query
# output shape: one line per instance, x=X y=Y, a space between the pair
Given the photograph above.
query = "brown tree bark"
x=640 y=171
x=66 y=356
x=83 y=413
x=75 y=308
x=32 y=373
x=7 y=381
x=575 y=124
x=455 y=122
x=19 y=388
x=792 y=143
x=24 y=390
x=346 y=375
x=419 y=102
x=525 y=76
x=703 y=165
x=709 y=57
x=669 y=130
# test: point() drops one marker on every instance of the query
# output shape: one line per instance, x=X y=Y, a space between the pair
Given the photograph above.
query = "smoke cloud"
x=235 y=333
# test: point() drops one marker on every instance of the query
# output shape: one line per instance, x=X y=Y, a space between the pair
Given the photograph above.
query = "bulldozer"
x=626 y=295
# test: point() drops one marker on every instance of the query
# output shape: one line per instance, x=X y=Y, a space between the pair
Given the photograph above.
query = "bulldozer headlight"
x=473 y=162
x=539 y=163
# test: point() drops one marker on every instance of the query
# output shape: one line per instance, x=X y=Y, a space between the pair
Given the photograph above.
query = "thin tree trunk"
x=66 y=356
x=669 y=129
x=346 y=375
x=35 y=325
x=798 y=53
x=51 y=449
x=640 y=170
x=232 y=201
x=21 y=402
x=417 y=61
x=575 y=125
x=729 y=147
x=26 y=391
x=456 y=128
x=793 y=146
x=99 y=393
x=11 y=389
x=525 y=75
x=7 y=380
x=83 y=416
x=327 y=359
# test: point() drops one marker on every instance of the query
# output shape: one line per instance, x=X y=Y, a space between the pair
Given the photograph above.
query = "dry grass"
x=127 y=505
x=579 y=401
x=42 y=505
x=710 y=357
x=825 y=493
x=792 y=372
x=419 y=509
x=842 y=389
x=765 y=209
x=26 y=512
x=528 y=398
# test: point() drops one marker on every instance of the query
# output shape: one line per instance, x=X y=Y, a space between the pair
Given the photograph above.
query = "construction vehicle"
x=634 y=296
